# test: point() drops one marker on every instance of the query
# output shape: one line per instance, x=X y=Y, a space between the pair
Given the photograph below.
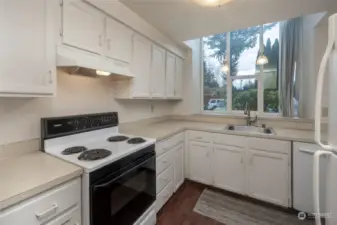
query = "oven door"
x=123 y=198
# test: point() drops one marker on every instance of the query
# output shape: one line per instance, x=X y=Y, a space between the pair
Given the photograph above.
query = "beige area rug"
x=233 y=211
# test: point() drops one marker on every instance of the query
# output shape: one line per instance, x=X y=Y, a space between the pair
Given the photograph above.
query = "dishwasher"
x=303 y=160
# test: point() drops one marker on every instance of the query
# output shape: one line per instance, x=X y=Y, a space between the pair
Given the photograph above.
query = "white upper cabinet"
x=170 y=75
x=158 y=72
x=82 y=26
x=179 y=77
x=268 y=177
x=140 y=66
x=229 y=168
x=27 y=49
x=118 y=40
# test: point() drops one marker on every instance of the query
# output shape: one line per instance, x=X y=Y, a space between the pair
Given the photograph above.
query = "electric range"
x=119 y=180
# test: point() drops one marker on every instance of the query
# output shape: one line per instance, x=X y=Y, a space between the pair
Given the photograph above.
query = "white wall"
x=191 y=103
x=20 y=117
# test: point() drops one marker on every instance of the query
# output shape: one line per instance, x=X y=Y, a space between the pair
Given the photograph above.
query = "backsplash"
x=20 y=117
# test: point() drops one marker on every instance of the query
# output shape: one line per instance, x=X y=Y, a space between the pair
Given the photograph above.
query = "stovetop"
x=81 y=144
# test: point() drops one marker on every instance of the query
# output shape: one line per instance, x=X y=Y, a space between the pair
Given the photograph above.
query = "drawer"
x=169 y=143
x=269 y=145
x=41 y=208
x=200 y=136
x=230 y=140
x=163 y=162
x=164 y=196
x=71 y=217
x=164 y=178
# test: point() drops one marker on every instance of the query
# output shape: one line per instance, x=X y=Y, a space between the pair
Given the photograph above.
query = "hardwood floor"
x=179 y=209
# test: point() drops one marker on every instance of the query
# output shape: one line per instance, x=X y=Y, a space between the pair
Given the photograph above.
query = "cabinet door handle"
x=109 y=44
x=47 y=212
x=251 y=160
x=100 y=40
x=241 y=159
x=198 y=138
x=50 y=74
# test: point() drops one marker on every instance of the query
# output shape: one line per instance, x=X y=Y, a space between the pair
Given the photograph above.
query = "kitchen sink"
x=250 y=129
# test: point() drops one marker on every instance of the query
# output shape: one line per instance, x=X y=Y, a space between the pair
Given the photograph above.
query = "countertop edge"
x=38 y=189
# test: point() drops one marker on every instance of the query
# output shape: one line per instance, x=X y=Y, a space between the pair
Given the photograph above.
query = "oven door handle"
x=107 y=184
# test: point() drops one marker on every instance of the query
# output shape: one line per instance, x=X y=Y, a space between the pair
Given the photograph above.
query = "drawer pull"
x=311 y=152
x=47 y=212
x=164 y=161
x=198 y=138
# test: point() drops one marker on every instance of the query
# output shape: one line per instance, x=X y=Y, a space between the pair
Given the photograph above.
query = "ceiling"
x=184 y=20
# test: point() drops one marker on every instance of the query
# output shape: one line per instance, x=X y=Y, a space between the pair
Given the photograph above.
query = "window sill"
x=268 y=116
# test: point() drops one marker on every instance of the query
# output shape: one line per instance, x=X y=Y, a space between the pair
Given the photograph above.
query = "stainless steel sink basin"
x=250 y=129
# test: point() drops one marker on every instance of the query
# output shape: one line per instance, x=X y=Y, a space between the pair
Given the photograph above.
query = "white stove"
x=97 y=139
x=119 y=180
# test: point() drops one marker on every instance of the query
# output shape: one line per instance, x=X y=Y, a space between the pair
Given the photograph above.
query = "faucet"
x=249 y=121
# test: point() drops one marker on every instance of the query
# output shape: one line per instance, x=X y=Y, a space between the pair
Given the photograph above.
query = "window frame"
x=229 y=80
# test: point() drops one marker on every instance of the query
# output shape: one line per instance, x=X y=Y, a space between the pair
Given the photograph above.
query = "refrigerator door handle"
x=319 y=89
x=311 y=152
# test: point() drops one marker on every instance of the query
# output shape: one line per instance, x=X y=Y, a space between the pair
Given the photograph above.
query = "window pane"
x=244 y=90
x=271 y=70
x=214 y=50
x=244 y=49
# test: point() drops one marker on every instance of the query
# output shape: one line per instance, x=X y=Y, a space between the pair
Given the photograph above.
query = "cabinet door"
x=178 y=166
x=200 y=162
x=229 y=168
x=170 y=75
x=118 y=41
x=268 y=177
x=141 y=63
x=158 y=72
x=27 y=52
x=179 y=77
x=82 y=26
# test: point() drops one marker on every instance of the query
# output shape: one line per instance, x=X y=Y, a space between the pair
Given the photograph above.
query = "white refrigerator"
x=329 y=67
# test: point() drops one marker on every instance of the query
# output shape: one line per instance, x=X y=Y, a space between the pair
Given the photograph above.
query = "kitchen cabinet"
x=178 y=166
x=118 y=40
x=27 y=67
x=59 y=205
x=229 y=168
x=268 y=177
x=170 y=75
x=200 y=162
x=140 y=66
x=82 y=26
x=158 y=72
x=179 y=77
x=303 y=163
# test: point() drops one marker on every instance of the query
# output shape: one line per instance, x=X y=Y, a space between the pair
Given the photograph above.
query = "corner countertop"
x=165 y=129
x=31 y=174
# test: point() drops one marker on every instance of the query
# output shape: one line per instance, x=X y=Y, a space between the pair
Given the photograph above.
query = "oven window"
x=123 y=200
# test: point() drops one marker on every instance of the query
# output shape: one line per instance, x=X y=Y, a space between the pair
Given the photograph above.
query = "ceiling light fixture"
x=102 y=73
x=212 y=3
x=261 y=59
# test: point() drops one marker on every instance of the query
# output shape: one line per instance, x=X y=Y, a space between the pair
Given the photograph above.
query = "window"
x=228 y=90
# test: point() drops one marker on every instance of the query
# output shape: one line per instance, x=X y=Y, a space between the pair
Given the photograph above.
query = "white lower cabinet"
x=58 y=206
x=257 y=167
x=169 y=168
x=229 y=168
x=268 y=176
x=200 y=162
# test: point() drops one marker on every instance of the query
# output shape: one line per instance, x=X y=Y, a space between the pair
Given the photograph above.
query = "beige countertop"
x=31 y=174
x=165 y=129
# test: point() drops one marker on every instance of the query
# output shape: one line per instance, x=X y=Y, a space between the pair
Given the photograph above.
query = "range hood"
x=75 y=61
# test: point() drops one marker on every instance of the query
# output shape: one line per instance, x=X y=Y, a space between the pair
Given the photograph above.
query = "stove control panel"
x=60 y=126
